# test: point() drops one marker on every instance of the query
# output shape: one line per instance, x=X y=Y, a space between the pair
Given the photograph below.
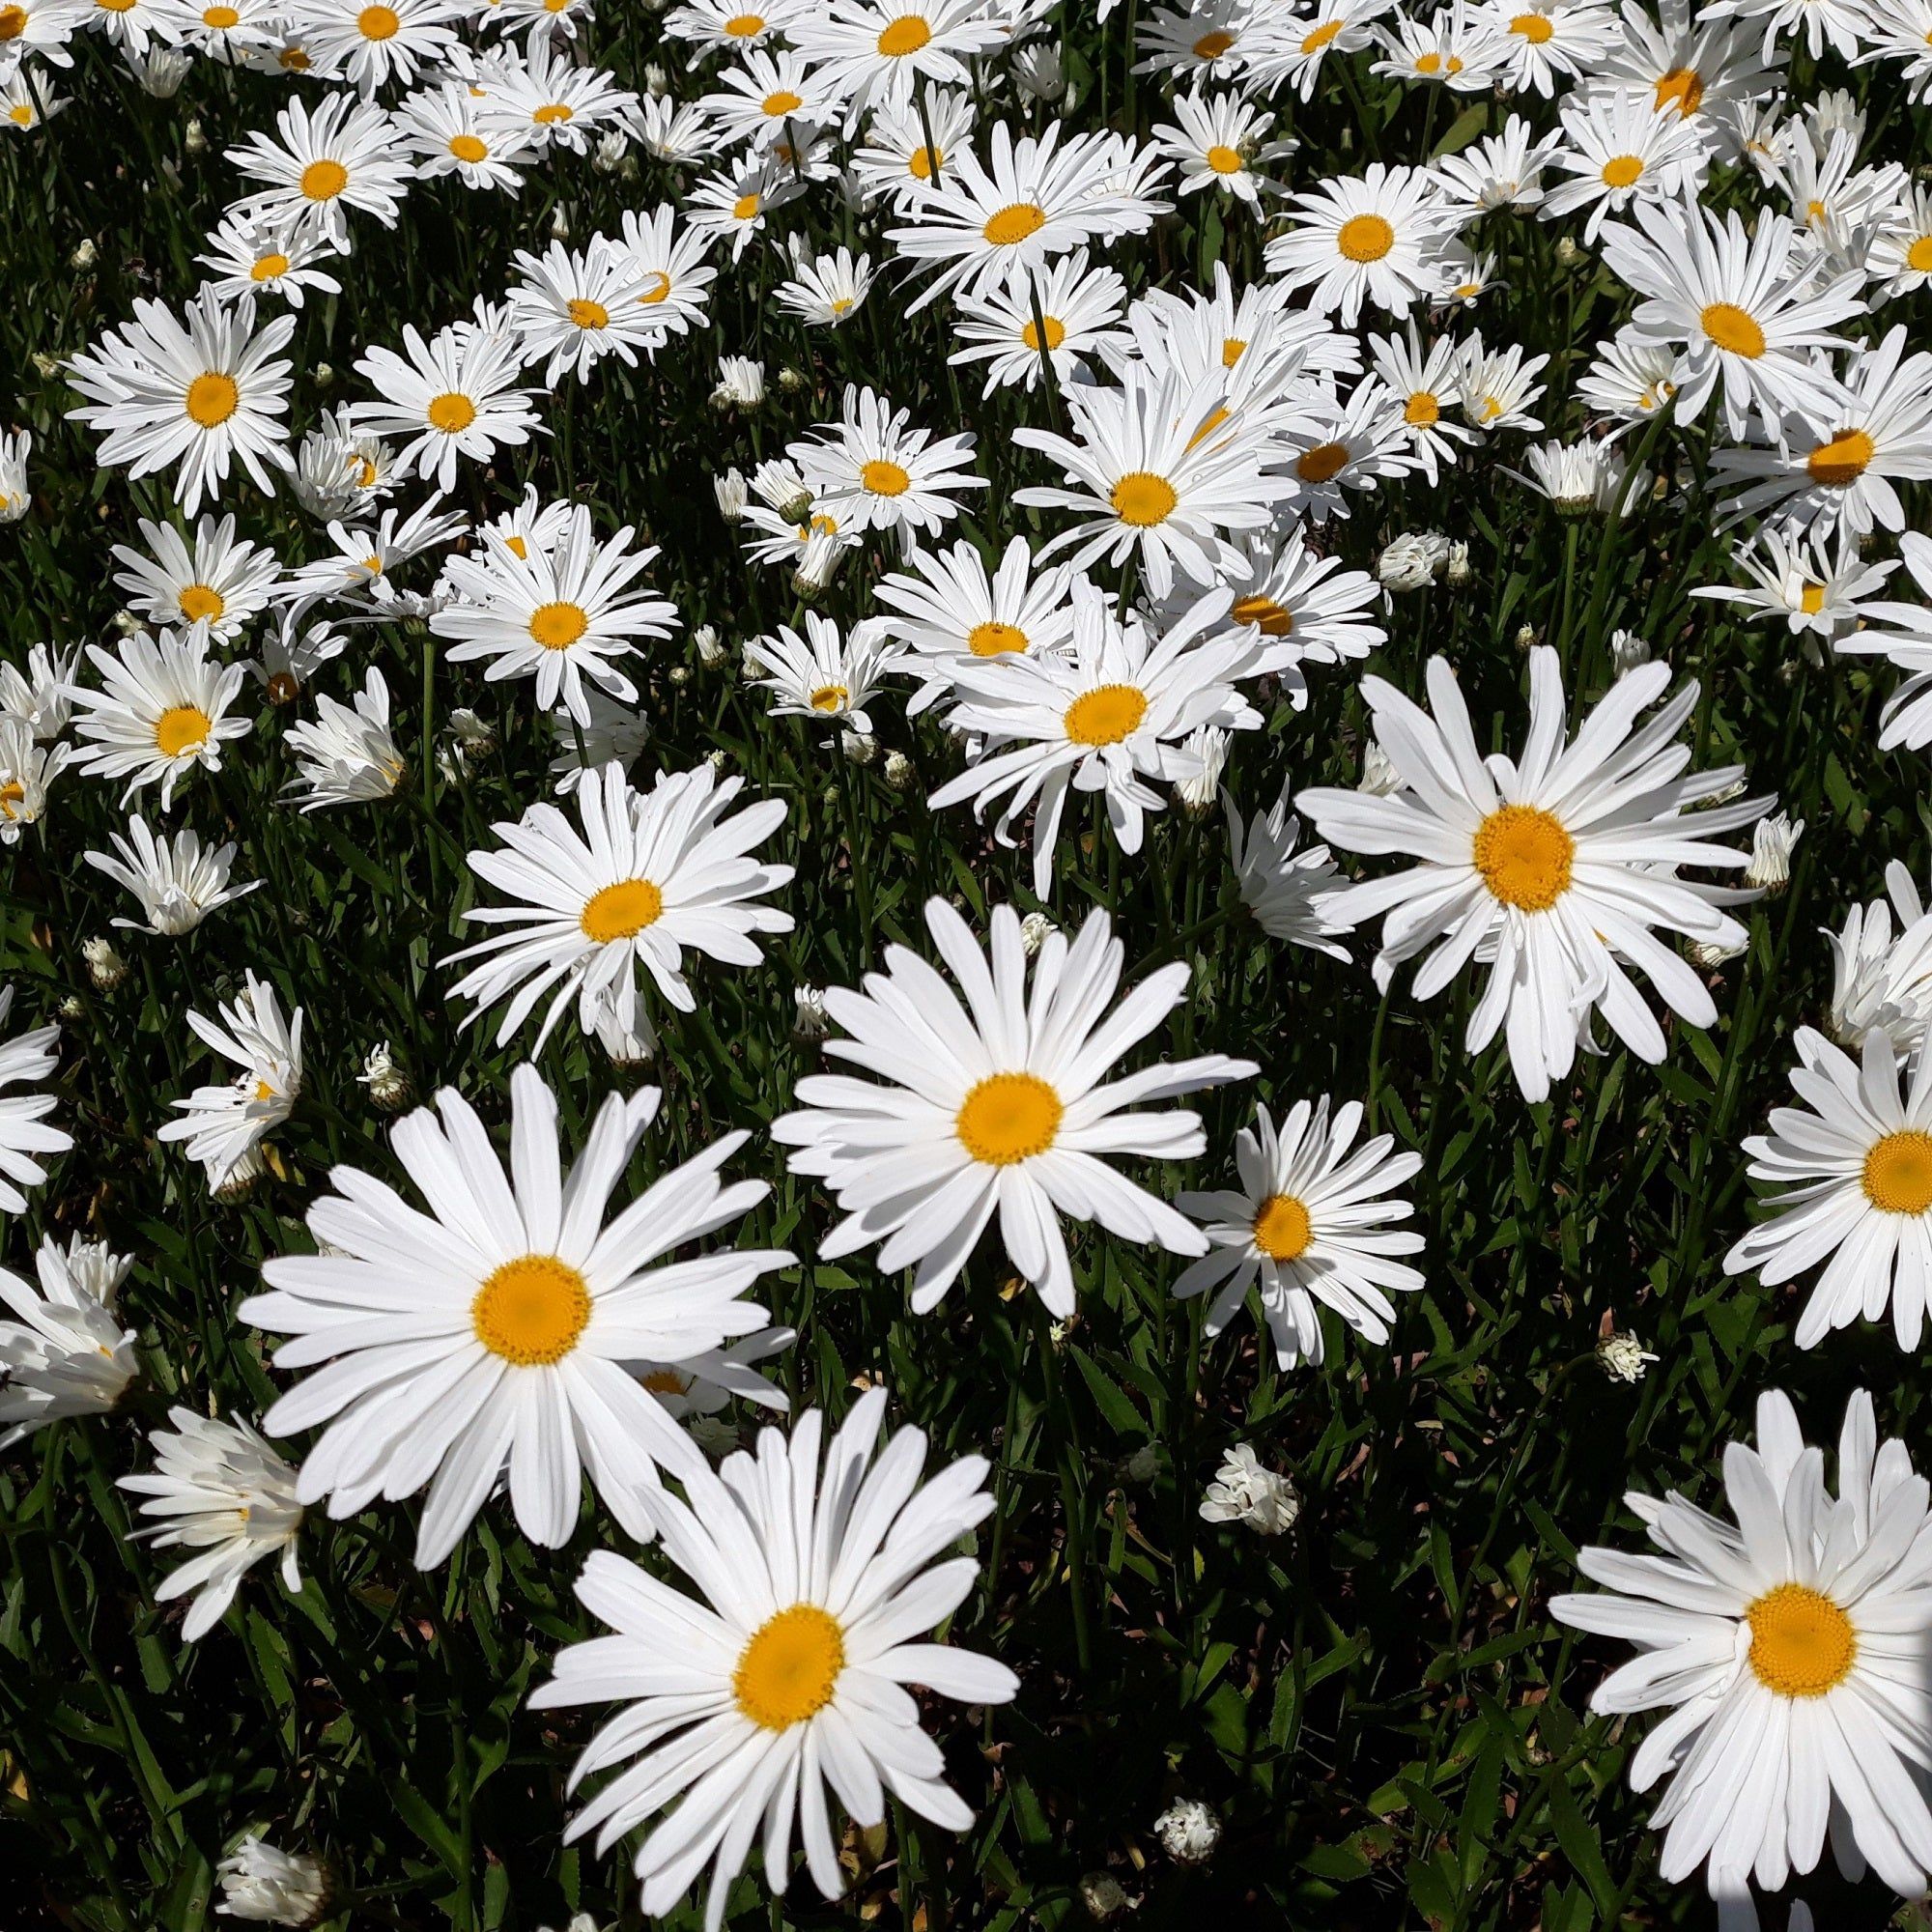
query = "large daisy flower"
x=784 y=1689
x=998 y=1103
x=1554 y=870
x=498 y=1332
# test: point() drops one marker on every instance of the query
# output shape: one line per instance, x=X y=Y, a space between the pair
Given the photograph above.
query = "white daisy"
x=344 y=755
x=164 y=711
x=871 y=471
x=453 y=395
x=25 y=1134
x=451 y=130
x=1062 y=318
x=66 y=1352
x=1618 y=150
x=1222 y=141
x=179 y=881
x=1882 y=983
x=318 y=167
x=255 y=258
x=224 y=1125
x=1374 y=236
x=219 y=583
x=576 y=306
x=369 y=43
x=28 y=766
x=823 y=675
x=878 y=52
x=825 y=290
x=1285 y=890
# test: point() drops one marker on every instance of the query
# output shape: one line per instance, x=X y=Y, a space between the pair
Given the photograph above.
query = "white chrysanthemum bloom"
x=217 y=582
x=614 y=733
x=1306 y=1226
x=224 y=1125
x=562 y=614
x=202 y=390
x=1630 y=380
x=452 y=129
x=1552 y=870
x=179 y=881
x=39 y=692
x=999 y=1104
x=880 y=53
x=1791 y=1653
x=651 y=873
x=1820 y=592
x=1743 y=313
x=1112 y=713
x=1880 y=982
x=572 y=307
x=1502 y=170
x=822 y=676
x=825 y=290
x=360 y=573
x=27 y=768
x=1584 y=479
x=455 y=394
x=497 y=1332
x=253 y=258
x=17 y=497
x=1421 y=386
x=65 y=1354
x=1616 y=150
x=1772 y=843
x=1162 y=471
x=556 y=98
x=789 y=1688
x=370 y=42
x=1374 y=236
x=272 y=1886
x=1188 y=1831
x=164 y=711
x=1412 y=560
x=317 y=167
x=1057 y=323
x=220 y=1490
x=339 y=470
x=1285 y=890
x=871 y=471
x=1221 y=141
x=997 y=223
x=1856 y=1166
x=1244 y=1492
x=346 y=757
x=1493 y=387
x=24 y=1132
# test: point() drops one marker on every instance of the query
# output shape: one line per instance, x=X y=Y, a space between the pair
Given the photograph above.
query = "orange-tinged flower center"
x=212 y=399
x=788 y=1670
x=1897 y=1176
x=531 y=1311
x=1143 y=499
x=1802 y=1644
x=1283 y=1229
x=1843 y=460
x=621 y=910
x=1009 y=1117
x=1524 y=855
x=1733 y=329
x=1365 y=237
x=1105 y=715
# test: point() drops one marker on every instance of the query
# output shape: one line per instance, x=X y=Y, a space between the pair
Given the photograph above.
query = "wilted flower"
x=1621 y=1358
x=741 y=382
x=733 y=492
x=389 y=1085
x=1627 y=652
x=275 y=1888
x=106 y=967
x=1244 y=1492
x=345 y=756
x=1412 y=560
x=1188 y=1831
x=808 y=1015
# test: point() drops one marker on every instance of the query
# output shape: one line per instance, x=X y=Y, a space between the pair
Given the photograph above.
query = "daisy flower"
x=1306 y=1226
x=453 y=395
x=822 y=676
x=1554 y=870
x=871 y=471
x=362 y=571
x=1374 y=236
x=203 y=390
x=561 y=615
x=651 y=874
x=1817 y=594
x=42 y=28
x=1788 y=1646
x=947 y=605
x=179 y=881
x=789 y=1687
x=1495 y=387
x=1546 y=43
x=670 y=262
x=1630 y=380
x=896 y=160
x=572 y=307
x=1424 y=386
x=1712 y=70
x=825 y=290
x=997 y=1103
x=1221 y=141
x=27 y=768
x=221 y=1492
x=339 y=470
x=344 y=755
x=494 y=1334
x=1338 y=448
x=726 y=26
x=1500 y=171
x=1111 y=711
x=1288 y=49
x=1303 y=608
x=1197 y=42
x=997 y=223
x=871 y=53
x=224 y=1125
x=15 y=496
x=321 y=166
x=1901 y=251
x=1738 y=309
x=233 y=32
x=255 y=258
x=24 y=1135
x=369 y=43
x=733 y=206
x=772 y=92
x=1581 y=478
x=1617 y=150
x=1284 y=888
x=65 y=1354
x=162 y=711
x=1064 y=316
x=219 y=584
x=1160 y=473
x=555 y=100
x=1458 y=46
x=448 y=130
x=1902 y=633
x=1881 y=982
x=38 y=691
x=678 y=131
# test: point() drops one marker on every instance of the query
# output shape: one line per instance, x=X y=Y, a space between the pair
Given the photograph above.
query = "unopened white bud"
x=1773 y=840
x=106 y=967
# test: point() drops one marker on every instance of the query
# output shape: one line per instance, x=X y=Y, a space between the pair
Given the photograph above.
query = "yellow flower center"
x=785 y=101
x=1211 y=47
x=658 y=292
x=1365 y=237
x=12 y=23
x=1897 y=1177
x=1801 y=1642
x=268 y=269
x=553 y=111
x=21 y=114
x=1143 y=499
x=905 y=35
x=1283 y=1229
x=1524 y=856
x=1265 y=612
x=212 y=399
x=1733 y=329
x=1682 y=88
x=182 y=728
x=745 y=207
x=1535 y=28
x=323 y=181
x=292 y=60
x=378 y=23
x=1314 y=42
x=1427 y=62
x=201 y=603
x=621 y=910
x=1843 y=460
x=1918 y=257
x=470 y=148
x=992 y=640
x=884 y=478
x=745 y=26
x=1231 y=351
x=220 y=18
x=1812 y=599
x=1055 y=333
x=1223 y=160
x=1323 y=463
x=531 y=1311
x=1622 y=171
x=558 y=626
x=1011 y=226
x=667 y=1382
x=13 y=795
x=587 y=314
x=117 y=6
x=1423 y=410
x=830 y=697
x=1009 y=1117
x=920 y=162
x=1105 y=715
x=452 y=412
x=790 y=1667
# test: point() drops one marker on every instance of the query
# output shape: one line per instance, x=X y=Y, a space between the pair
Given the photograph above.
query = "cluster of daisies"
x=510 y=1325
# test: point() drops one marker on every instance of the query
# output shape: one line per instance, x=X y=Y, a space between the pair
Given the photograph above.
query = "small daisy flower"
x=896 y=159
x=25 y=1134
x=1284 y=888
x=1499 y=171
x=66 y=1352
x=27 y=768
x=253 y=258
x=448 y=130
x=346 y=757
x=572 y=307
x=555 y=101
x=218 y=583
x=319 y=167
x=179 y=881
x=877 y=53
x=162 y=713
x=823 y=675
x=1222 y=141
x=825 y=290
x=224 y=1125
x=1372 y=237
x=872 y=471
x=1617 y=150
x=453 y=395
x=370 y=42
